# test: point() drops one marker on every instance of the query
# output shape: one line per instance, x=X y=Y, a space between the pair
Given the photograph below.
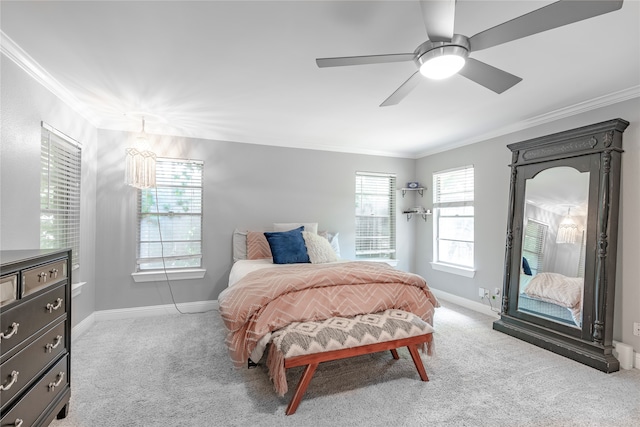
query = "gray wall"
x=245 y=186
x=25 y=103
x=491 y=159
x=252 y=186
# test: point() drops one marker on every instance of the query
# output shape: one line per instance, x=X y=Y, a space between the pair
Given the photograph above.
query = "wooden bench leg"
x=394 y=353
x=418 y=362
x=302 y=387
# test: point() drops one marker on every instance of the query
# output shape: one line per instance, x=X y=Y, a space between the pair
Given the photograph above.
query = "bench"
x=311 y=343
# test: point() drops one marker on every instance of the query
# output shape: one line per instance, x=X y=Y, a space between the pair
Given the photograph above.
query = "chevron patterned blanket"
x=269 y=299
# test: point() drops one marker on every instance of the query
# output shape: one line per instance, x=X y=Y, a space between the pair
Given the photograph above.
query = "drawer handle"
x=14 y=330
x=42 y=277
x=14 y=378
x=54 y=273
x=50 y=346
x=52 y=386
x=18 y=422
x=57 y=305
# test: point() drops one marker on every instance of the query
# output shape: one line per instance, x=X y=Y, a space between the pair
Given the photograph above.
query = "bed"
x=552 y=295
x=264 y=295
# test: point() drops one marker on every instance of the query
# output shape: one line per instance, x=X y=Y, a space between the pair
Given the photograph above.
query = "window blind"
x=170 y=217
x=535 y=234
x=375 y=215
x=60 y=177
x=453 y=195
x=454 y=187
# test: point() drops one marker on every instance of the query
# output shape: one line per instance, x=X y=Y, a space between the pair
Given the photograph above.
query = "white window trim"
x=174 y=274
x=141 y=276
x=71 y=172
x=438 y=265
x=391 y=260
x=460 y=271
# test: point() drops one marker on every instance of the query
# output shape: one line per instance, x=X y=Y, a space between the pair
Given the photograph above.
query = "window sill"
x=156 y=276
x=460 y=271
x=76 y=289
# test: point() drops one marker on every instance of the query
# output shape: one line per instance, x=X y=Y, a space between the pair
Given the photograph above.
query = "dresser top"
x=21 y=255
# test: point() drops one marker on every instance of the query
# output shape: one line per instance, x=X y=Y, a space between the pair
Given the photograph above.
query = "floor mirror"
x=560 y=258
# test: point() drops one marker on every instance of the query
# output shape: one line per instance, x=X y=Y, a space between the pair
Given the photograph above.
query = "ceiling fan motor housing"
x=458 y=46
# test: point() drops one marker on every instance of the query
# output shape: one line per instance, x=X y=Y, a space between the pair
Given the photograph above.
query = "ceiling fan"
x=446 y=53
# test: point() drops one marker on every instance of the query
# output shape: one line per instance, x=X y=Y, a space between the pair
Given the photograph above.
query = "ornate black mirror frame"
x=596 y=149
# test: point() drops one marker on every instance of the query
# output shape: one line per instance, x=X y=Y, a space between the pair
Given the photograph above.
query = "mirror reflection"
x=553 y=245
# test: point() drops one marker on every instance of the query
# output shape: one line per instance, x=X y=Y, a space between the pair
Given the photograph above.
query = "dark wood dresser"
x=35 y=336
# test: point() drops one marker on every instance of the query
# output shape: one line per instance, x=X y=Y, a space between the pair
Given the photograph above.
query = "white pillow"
x=333 y=239
x=239 y=245
x=318 y=248
x=311 y=227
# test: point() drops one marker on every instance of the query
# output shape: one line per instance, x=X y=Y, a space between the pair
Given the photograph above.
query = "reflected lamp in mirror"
x=568 y=230
x=140 y=163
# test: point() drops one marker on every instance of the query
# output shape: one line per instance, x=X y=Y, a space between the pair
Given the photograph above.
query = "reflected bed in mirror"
x=554 y=244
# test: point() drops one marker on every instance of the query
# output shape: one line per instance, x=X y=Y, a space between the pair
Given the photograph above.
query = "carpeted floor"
x=174 y=371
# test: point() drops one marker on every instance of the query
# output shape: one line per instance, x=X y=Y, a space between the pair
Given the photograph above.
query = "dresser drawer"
x=20 y=371
x=18 y=323
x=8 y=289
x=42 y=276
x=33 y=404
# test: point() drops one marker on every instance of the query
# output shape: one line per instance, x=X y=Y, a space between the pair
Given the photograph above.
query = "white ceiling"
x=245 y=71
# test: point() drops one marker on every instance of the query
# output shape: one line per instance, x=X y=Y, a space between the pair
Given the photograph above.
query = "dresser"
x=35 y=336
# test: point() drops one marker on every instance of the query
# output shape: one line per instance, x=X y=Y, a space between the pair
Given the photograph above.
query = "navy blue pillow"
x=525 y=267
x=287 y=247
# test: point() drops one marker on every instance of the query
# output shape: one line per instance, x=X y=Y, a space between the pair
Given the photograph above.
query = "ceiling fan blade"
x=403 y=90
x=361 y=60
x=439 y=16
x=490 y=77
x=546 y=18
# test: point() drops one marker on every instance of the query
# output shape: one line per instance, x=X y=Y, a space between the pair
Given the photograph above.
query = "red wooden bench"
x=311 y=343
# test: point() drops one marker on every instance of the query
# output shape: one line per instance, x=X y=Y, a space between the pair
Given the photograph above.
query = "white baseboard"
x=130 y=313
x=83 y=327
x=155 y=310
x=466 y=303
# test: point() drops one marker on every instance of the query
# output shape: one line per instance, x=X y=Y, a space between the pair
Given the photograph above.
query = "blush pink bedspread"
x=269 y=299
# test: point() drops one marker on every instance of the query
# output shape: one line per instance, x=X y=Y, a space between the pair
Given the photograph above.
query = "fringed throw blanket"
x=337 y=333
x=270 y=299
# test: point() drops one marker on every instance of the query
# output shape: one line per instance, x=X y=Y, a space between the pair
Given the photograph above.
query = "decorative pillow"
x=287 y=247
x=318 y=248
x=287 y=226
x=239 y=245
x=257 y=245
x=333 y=239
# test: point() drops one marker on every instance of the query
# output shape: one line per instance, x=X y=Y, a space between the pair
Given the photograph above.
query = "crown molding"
x=561 y=113
x=22 y=59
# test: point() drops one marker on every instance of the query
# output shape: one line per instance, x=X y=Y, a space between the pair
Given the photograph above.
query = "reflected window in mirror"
x=535 y=234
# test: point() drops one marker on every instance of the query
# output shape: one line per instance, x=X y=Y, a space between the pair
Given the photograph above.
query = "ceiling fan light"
x=441 y=67
x=441 y=60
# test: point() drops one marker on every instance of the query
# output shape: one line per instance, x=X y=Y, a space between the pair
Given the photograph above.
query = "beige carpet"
x=174 y=371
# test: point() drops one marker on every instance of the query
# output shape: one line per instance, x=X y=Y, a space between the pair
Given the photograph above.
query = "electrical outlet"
x=636 y=329
x=482 y=292
x=496 y=291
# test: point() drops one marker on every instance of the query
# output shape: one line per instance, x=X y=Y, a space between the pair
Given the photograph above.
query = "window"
x=375 y=216
x=170 y=217
x=60 y=160
x=453 y=224
x=535 y=234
